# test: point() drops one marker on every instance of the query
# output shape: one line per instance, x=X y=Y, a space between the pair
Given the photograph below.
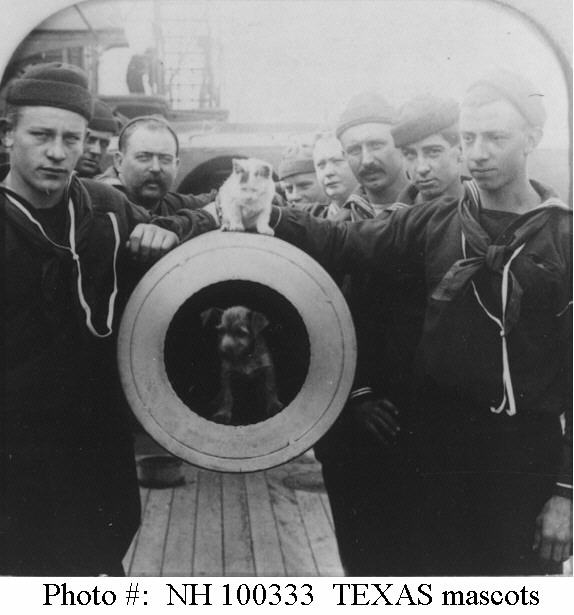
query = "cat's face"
x=252 y=175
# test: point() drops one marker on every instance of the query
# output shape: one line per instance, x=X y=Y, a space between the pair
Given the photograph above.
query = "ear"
x=6 y=132
x=265 y=171
x=459 y=156
x=533 y=137
x=258 y=322
x=211 y=317
x=237 y=166
x=118 y=159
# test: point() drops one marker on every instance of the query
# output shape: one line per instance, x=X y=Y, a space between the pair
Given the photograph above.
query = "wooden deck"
x=272 y=523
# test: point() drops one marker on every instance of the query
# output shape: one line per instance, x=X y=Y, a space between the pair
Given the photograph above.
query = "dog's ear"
x=258 y=322
x=211 y=317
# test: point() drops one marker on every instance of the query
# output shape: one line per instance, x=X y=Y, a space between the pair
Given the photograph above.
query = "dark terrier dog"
x=248 y=391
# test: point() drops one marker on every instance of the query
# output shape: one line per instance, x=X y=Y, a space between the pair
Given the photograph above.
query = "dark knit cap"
x=298 y=158
x=514 y=88
x=103 y=119
x=366 y=108
x=422 y=117
x=52 y=85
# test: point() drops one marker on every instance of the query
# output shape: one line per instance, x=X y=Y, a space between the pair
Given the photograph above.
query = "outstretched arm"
x=376 y=244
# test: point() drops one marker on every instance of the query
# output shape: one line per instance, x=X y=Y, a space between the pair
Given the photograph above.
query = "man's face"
x=496 y=142
x=95 y=147
x=433 y=165
x=332 y=169
x=45 y=146
x=303 y=189
x=372 y=155
x=148 y=166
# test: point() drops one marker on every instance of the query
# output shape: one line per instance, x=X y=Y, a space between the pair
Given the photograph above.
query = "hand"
x=378 y=419
x=149 y=242
x=553 y=535
x=214 y=209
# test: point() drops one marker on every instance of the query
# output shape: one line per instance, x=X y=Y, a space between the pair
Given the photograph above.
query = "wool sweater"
x=69 y=479
x=460 y=351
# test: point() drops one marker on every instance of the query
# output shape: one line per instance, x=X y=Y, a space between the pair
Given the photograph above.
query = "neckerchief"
x=359 y=207
x=496 y=256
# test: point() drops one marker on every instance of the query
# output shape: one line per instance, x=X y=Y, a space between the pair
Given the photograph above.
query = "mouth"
x=371 y=175
x=153 y=185
x=426 y=183
x=481 y=172
x=55 y=171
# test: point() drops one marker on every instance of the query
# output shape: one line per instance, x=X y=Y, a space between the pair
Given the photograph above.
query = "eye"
x=354 y=150
x=377 y=145
x=435 y=152
x=40 y=135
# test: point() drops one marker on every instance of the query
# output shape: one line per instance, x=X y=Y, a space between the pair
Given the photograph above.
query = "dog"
x=248 y=390
x=246 y=196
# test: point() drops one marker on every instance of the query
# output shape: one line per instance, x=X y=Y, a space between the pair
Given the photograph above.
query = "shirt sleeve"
x=186 y=223
x=369 y=245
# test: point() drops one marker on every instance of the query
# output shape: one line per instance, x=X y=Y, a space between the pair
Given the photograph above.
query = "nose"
x=95 y=148
x=366 y=155
x=422 y=166
x=56 y=151
x=295 y=195
x=155 y=165
x=330 y=170
x=477 y=151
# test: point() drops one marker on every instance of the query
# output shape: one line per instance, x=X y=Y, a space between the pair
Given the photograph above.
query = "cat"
x=246 y=196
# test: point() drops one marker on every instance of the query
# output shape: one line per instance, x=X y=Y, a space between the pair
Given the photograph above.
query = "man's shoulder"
x=102 y=195
x=442 y=206
x=177 y=200
x=110 y=178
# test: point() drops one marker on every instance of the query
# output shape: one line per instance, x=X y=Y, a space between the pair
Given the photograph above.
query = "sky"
x=301 y=60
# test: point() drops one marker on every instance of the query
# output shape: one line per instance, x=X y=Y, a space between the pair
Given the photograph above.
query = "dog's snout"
x=228 y=344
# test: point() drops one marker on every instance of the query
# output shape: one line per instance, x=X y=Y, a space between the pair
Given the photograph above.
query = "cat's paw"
x=265 y=229
x=233 y=227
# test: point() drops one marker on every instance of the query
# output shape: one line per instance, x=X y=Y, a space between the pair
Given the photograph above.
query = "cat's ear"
x=265 y=171
x=237 y=166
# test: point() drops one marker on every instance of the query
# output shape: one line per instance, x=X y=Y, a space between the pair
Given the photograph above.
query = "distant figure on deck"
x=101 y=129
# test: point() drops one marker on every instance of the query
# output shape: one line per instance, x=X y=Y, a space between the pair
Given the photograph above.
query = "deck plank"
x=148 y=555
x=264 y=536
x=328 y=511
x=129 y=556
x=180 y=538
x=237 y=546
x=293 y=539
x=276 y=522
x=320 y=534
x=208 y=554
